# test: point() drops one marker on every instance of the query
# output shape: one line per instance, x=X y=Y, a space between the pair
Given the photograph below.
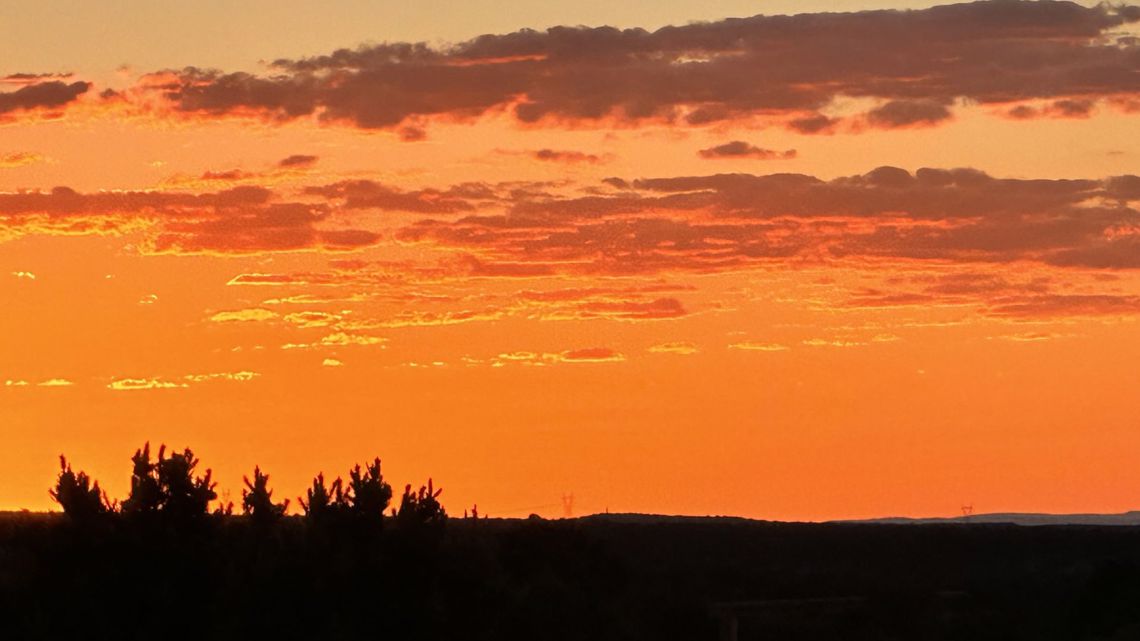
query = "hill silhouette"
x=350 y=569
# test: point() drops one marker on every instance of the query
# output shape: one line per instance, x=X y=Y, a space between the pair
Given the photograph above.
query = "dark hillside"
x=226 y=577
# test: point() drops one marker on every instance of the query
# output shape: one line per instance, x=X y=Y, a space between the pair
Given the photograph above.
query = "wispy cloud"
x=244 y=315
x=20 y=159
x=756 y=346
x=158 y=383
x=136 y=384
x=675 y=347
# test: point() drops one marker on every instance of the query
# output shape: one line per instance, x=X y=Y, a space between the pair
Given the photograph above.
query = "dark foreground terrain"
x=592 y=578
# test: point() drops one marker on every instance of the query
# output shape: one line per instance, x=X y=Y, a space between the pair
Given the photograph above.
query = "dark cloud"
x=566 y=156
x=730 y=221
x=1112 y=250
x=1073 y=108
x=41 y=95
x=1066 y=108
x=274 y=227
x=238 y=220
x=1059 y=304
x=908 y=113
x=996 y=295
x=878 y=298
x=1023 y=112
x=698 y=224
x=741 y=149
x=925 y=194
x=297 y=161
x=412 y=133
x=659 y=309
x=813 y=124
x=227 y=175
x=917 y=63
x=32 y=78
x=367 y=194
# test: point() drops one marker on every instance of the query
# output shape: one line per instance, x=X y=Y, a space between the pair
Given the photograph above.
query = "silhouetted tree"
x=324 y=501
x=168 y=485
x=257 y=500
x=184 y=495
x=422 y=507
x=146 y=494
x=369 y=495
x=80 y=498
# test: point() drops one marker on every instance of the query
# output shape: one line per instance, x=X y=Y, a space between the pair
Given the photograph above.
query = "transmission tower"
x=568 y=505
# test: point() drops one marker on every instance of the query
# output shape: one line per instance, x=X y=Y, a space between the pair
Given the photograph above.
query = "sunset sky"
x=671 y=257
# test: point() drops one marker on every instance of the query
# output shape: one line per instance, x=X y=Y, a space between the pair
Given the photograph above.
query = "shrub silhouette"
x=369 y=495
x=168 y=485
x=80 y=498
x=324 y=502
x=422 y=507
x=257 y=500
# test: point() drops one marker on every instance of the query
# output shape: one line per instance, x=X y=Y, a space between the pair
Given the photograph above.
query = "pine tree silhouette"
x=168 y=485
x=422 y=507
x=185 y=495
x=146 y=495
x=323 y=501
x=80 y=498
x=368 y=493
x=257 y=500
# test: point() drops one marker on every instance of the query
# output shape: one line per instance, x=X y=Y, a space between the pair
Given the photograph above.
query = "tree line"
x=169 y=488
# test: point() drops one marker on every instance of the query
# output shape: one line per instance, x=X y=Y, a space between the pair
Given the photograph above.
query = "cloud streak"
x=19 y=159
x=157 y=383
x=244 y=219
x=741 y=149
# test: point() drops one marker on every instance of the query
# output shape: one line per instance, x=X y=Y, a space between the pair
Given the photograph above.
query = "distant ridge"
x=1015 y=518
x=635 y=517
x=1131 y=518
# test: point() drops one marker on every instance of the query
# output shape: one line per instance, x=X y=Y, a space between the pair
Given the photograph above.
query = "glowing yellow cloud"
x=132 y=384
x=222 y=376
x=243 y=315
x=753 y=346
x=823 y=342
x=56 y=382
x=680 y=347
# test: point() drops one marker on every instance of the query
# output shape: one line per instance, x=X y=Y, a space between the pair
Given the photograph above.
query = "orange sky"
x=810 y=267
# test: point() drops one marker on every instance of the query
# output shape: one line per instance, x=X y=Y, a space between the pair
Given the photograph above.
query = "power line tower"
x=967 y=510
x=568 y=505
